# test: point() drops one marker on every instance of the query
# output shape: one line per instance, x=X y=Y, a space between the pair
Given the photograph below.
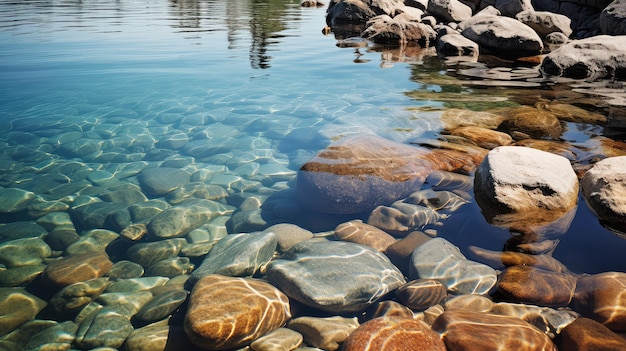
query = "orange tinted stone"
x=77 y=268
x=393 y=333
x=585 y=334
x=602 y=297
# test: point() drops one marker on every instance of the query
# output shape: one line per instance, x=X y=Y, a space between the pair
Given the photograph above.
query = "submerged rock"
x=601 y=298
x=393 y=333
x=333 y=276
x=326 y=333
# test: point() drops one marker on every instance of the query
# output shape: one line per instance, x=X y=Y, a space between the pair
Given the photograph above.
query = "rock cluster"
x=581 y=40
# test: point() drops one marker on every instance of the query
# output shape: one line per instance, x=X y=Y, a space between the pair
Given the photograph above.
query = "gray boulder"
x=544 y=22
x=604 y=189
x=592 y=58
x=613 y=18
x=502 y=36
x=455 y=45
x=449 y=10
x=402 y=29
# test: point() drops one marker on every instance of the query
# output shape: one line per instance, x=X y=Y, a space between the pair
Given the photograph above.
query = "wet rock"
x=455 y=118
x=162 y=180
x=196 y=190
x=21 y=230
x=146 y=210
x=103 y=328
x=531 y=121
x=548 y=320
x=326 y=333
x=125 y=270
x=455 y=45
x=73 y=297
x=604 y=189
x=136 y=284
x=502 y=259
x=554 y=147
x=77 y=268
x=92 y=241
x=334 y=276
x=466 y=330
x=226 y=312
x=613 y=18
x=401 y=217
x=441 y=260
x=503 y=36
x=17 y=306
x=520 y=182
x=483 y=137
x=158 y=337
x=421 y=293
x=601 y=298
x=20 y=276
x=126 y=303
x=591 y=58
x=401 y=29
x=469 y=302
x=180 y=220
x=361 y=233
x=170 y=267
x=449 y=10
x=544 y=22
x=390 y=308
x=95 y=215
x=57 y=337
x=161 y=306
x=281 y=339
x=536 y=286
x=571 y=113
x=585 y=334
x=359 y=173
x=287 y=235
x=400 y=252
x=146 y=254
x=237 y=255
x=126 y=194
x=393 y=333
x=341 y=12
x=17 y=339
x=14 y=199
x=23 y=252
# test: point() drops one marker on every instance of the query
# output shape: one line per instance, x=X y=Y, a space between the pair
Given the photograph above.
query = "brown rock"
x=226 y=312
x=390 y=333
x=421 y=293
x=601 y=297
x=477 y=331
x=77 y=268
x=585 y=334
x=536 y=286
x=571 y=113
x=503 y=259
x=532 y=121
x=325 y=333
x=390 y=308
x=483 y=137
x=400 y=252
x=454 y=118
x=362 y=233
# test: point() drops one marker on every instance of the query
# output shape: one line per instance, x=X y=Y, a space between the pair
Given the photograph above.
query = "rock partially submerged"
x=604 y=189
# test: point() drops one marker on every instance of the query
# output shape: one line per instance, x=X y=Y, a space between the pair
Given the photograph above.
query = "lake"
x=92 y=91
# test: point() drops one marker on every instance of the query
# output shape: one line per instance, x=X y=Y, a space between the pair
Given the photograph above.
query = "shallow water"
x=261 y=81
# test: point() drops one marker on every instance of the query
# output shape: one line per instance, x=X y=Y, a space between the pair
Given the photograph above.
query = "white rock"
x=604 y=189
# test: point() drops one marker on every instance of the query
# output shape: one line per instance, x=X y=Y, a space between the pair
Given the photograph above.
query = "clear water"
x=129 y=73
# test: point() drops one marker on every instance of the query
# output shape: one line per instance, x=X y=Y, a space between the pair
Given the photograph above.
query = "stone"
x=334 y=276
x=148 y=253
x=106 y=327
x=400 y=252
x=601 y=298
x=440 y=260
x=237 y=255
x=158 y=337
x=545 y=23
x=530 y=121
x=597 y=57
x=341 y=12
x=536 y=286
x=359 y=173
x=469 y=302
x=511 y=8
x=455 y=118
x=94 y=215
x=77 y=268
x=585 y=334
x=20 y=276
x=162 y=180
x=17 y=306
x=467 y=330
x=393 y=333
x=515 y=184
x=180 y=220
x=14 y=199
x=361 y=233
x=402 y=217
x=457 y=46
x=73 y=297
x=421 y=294
x=125 y=270
x=613 y=18
x=17 y=339
x=126 y=194
x=146 y=210
x=502 y=36
x=390 y=308
x=449 y=10
x=483 y=137
x=554 y=147
x=161 y=306
x=23 y=252
x=57 y=337
x=136 y=284
x=125 y=303
x=548 y=320
x=571 y=113
x=325 y=333
x=281 y=339
x=604 y=190
x=170 y=267
x=287 y=235
x=228 y=312
x=93 y=240
x=196 y=190
x=502 y=259
x=21 y=230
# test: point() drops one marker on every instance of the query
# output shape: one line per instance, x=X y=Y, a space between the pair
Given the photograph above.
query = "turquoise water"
x=258 y=79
